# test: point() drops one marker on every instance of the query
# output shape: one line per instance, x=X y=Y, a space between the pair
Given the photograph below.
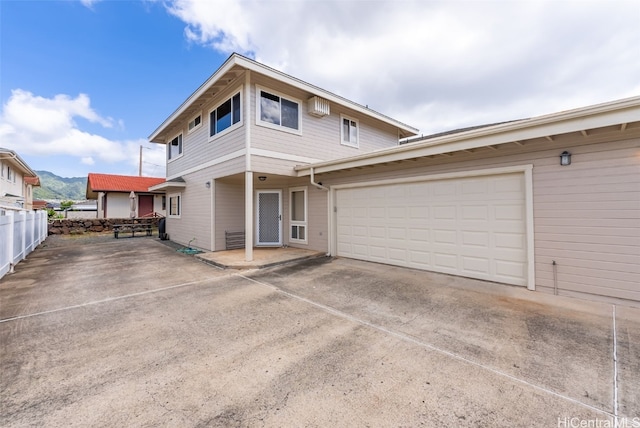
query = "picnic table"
x=133 y=228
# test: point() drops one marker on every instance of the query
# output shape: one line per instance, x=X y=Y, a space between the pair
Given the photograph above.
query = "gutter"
x=601 y=115
x=13 y=155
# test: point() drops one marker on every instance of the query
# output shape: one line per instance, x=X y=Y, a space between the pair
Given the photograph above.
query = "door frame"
x=257 y=218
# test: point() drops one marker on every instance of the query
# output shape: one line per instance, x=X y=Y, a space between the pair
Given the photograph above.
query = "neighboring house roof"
x=623 y=113
x=455 y=131
x=233 y=67
x=34 y=181
x=17 y=162
x=119 y=183
x=39 y=204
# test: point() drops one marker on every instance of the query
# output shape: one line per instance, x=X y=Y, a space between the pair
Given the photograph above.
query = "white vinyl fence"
x=20 y=233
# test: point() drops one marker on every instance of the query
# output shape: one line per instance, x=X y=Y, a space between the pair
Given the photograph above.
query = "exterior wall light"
x=565 y=158
x=262 y=178
x=207 y=185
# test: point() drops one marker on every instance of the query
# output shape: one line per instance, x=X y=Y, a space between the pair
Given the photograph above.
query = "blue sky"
x=83 y=83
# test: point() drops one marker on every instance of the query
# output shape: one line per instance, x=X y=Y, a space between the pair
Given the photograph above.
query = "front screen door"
x=269 y=218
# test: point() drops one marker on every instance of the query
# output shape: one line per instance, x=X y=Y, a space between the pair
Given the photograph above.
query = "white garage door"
x=472 y=226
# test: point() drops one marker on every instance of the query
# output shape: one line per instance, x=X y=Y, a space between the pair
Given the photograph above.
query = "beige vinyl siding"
x=588 y=221
x=320 y=137
x=229 y=209
x=318 y=220
x=586 y=215
x=195 y=213
x=273 y=165
x=230 y=167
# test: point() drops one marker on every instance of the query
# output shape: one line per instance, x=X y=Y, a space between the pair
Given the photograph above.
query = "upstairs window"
x=195 y=123
x=225 y=116
x=278 y=112
x=349 y=133
x=175 y=147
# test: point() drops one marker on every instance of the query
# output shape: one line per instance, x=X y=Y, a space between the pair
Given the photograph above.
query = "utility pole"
x=140 y=163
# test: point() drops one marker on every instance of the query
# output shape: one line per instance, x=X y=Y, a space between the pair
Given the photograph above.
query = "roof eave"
x=24 y=168
x=248 y=64
x=224 y=68
x=167 y=185
x=591 y=117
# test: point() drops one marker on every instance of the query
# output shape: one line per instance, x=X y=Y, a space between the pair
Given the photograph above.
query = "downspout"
x=318 y=185
x=329 y=210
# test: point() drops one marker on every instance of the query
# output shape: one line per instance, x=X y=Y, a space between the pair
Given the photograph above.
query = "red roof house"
x=116 y=192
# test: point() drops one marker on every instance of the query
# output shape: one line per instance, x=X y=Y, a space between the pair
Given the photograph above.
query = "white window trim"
x=173 y=195
x=342 y=141
x=169 y=147
x=233 y=125
x=189 y=131
x=304 y=223
x=260 y=122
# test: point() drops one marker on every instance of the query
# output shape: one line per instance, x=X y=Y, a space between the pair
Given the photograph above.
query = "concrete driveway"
x=128 y=332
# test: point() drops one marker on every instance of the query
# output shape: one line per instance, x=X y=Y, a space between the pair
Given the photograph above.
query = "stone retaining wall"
x=79 y=226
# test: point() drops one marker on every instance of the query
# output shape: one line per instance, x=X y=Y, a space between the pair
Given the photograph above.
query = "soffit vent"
x=318 y=107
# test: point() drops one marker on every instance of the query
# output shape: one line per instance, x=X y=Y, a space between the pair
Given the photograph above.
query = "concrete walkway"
x=262 y=257
x=105 y=332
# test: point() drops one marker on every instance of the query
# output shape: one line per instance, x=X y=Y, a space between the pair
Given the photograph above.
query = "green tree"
x=65 y=205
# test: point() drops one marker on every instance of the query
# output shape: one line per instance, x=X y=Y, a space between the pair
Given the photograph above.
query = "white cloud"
x=89 y=3
x=436 y=65
x=38 y=126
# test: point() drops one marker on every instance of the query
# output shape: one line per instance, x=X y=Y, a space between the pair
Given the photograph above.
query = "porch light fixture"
x=207 y=185
x=565 y=158
x=262 y=178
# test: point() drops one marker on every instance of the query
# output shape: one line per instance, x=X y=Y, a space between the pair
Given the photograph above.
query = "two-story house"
x=17 y=181
x=551 y=203
x=232 y=149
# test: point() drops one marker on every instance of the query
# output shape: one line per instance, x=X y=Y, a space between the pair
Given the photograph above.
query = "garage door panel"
x=420 y=260
x=511 y=241
x=475 y=239
x=443 y=189
x=512 y=272
x=444 y=212
x=397 y=233
x=474 y=212
x=473 y=187
x=475 y=265
x=472 y=227
x=418 y=212
x=418 y=235
x=397 y=254
x=445 y=237
x=508 y=213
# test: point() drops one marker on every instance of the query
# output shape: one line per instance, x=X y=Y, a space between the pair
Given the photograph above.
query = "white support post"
x=248 y=216
x=248 y=175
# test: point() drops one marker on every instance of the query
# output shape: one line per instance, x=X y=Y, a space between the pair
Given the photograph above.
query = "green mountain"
x=55 y=187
